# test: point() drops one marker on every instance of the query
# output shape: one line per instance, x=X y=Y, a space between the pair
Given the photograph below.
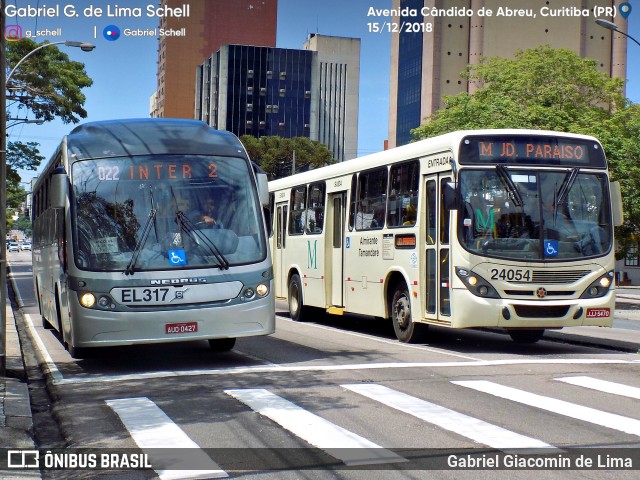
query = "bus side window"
x=403 y=194
x=298 y=208
x=352 y=205
x=372 y=192
x=315 y=211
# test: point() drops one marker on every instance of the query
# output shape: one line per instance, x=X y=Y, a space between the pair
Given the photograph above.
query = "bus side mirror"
x=450 y=196
x=263 y=184
x=616 y=203
x=59 y=188
x=263 y=188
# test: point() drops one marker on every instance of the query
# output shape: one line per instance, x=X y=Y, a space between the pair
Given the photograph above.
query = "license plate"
x=598 y=312
x=177 y=328
x=148 y=295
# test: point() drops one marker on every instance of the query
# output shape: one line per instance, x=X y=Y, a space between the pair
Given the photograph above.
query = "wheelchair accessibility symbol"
x=177 y=257
x=550 y=248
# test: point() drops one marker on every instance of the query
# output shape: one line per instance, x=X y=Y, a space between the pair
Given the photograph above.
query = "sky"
x=124 y=71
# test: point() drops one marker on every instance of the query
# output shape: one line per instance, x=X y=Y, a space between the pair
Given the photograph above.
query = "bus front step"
x=336 y=310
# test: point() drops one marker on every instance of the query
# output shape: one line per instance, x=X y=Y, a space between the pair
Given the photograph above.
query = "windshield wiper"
x=512 y=189
x=565 y=187
x=187 y=225
x=143 y=239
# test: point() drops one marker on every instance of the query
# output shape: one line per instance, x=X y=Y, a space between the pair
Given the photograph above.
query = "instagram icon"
x=12 y=33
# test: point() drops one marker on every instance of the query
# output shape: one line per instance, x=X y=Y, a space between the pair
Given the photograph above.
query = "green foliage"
x=275 y=154
x=24 y=224
x=47 y=83
x=553 y=89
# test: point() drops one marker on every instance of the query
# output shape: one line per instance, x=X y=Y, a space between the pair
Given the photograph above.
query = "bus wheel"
x=297 y=310
x=406 y=330
x=526 y=336
x=222 y=344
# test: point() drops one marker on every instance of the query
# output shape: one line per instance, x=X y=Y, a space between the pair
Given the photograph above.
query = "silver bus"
x=149 y=231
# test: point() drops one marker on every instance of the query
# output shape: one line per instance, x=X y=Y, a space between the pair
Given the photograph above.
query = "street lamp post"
x=613 y=27
x=87 y=47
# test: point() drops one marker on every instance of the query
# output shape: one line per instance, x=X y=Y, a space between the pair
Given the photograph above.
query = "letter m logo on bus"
x=313 y=254
x=486 y=224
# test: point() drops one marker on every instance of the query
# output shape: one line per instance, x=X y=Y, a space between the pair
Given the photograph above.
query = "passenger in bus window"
x=409 y=219
x=378 y=218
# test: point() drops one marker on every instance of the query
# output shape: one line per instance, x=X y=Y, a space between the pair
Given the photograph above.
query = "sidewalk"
x=16 y=423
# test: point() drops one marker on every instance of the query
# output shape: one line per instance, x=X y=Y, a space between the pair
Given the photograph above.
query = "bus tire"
x=526 y=336
x=407 y=331
x=222 y=344
x=297 y=310
x=77 y=352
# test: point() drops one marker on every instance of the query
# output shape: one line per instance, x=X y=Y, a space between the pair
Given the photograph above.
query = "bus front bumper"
x=104 y=328
x=472 y=311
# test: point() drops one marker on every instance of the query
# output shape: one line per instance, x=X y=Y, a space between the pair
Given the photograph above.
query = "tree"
x=275 y=154
x=553 y=89
x=49 y=85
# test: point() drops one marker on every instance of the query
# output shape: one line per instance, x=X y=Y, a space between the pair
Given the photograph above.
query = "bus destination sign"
x=528 y=150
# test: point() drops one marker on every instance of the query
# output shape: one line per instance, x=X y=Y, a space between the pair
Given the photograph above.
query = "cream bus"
x=490 y=228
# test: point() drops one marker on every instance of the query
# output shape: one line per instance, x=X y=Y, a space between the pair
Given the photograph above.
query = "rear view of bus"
x=149 y=231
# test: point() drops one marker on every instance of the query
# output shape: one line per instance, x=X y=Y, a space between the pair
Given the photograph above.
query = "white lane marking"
x=151 y=428
x=568 y=409
x=603 y=386
x=379 y=340
x=49 y=363
x=469 y=427
x=338 y=442
x=331 y=368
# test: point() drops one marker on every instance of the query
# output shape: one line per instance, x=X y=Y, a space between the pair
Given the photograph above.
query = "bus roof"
x=410 y=151
x=150 y=136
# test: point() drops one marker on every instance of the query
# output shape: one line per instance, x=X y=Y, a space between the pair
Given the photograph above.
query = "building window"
x=631 y=260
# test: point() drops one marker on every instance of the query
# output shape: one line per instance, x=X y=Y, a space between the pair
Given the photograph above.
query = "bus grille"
x=535 y=311
x=555 y=277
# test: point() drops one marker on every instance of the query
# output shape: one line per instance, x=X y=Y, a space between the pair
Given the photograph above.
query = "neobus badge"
x=178 y=281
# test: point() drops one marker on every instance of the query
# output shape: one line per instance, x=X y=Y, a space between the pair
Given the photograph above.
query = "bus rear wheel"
x=222 y=344
x=297 y=310
x=526 y=336
x=406 y=329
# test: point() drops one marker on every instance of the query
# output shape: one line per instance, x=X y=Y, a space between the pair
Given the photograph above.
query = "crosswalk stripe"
x=338 y=442
x=568 y=409
x=151 y=428
x=469 y=427
x=603 y=386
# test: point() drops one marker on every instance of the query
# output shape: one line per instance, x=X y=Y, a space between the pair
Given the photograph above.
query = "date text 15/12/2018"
x=399 y=27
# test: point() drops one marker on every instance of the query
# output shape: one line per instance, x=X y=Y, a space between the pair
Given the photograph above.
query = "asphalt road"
x=339 y=397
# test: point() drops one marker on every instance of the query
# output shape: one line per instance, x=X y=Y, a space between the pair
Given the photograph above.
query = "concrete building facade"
x=426 y=66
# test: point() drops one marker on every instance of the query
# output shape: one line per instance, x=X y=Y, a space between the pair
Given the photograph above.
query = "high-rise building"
x=337 y=71
x=263 y=91
x=258 y=91
x=210 y=24
x=426 y=66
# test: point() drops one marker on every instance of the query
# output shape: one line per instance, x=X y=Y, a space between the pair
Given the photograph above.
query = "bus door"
x=279 y=266
x=437 y=271
x=334 y=248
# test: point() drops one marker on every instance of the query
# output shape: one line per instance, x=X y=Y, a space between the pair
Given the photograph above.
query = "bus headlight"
x=476 y=284
x=600 y=287
x=262 y=289
x=87 y=299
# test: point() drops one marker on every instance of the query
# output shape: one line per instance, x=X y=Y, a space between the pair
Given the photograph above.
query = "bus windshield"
x=524 y=214
x=164 y=212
